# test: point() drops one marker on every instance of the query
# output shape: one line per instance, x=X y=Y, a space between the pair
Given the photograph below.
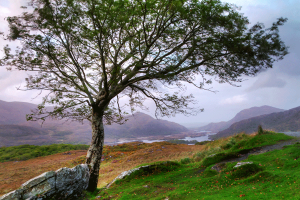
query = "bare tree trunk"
x=93 y=158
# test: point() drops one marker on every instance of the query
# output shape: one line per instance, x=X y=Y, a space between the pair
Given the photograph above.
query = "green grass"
x=25 y=152
x=272 y=175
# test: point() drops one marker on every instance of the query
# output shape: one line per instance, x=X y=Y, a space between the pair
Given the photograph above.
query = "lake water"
x=198 y=139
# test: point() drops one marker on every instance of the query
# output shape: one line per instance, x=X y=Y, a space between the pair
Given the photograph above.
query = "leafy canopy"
x=90 y=53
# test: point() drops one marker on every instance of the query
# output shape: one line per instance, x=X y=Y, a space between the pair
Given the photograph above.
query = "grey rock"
x=13 y=195
x=72 y=181
x=218 y=167
x=42 y=185
x=241 y=164
x=65 y=183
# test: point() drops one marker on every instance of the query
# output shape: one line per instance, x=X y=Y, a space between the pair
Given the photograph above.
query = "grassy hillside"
x=272 y=175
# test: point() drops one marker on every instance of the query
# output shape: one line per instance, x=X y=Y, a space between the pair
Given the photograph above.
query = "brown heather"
x=116 y=160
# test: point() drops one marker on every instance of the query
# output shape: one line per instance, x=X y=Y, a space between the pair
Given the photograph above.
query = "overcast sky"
x=277 y=87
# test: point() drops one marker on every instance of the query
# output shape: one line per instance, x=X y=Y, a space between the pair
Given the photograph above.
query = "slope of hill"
x=244 y=114
x=15 y=130
x=14 y=112
x=286 y=121
x=12 y=135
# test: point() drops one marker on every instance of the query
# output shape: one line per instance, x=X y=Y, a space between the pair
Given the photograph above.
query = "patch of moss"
x=152 y=169
x=246 y=170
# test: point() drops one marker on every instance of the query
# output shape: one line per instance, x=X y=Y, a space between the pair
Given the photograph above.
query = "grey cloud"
x=267 y=81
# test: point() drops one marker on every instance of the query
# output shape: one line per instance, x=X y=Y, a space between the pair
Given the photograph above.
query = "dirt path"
x=260 y=150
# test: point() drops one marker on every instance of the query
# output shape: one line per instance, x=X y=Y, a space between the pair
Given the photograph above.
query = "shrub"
x=202 y=154
x=203 y=142
x=25 y=152
x=229 y=144
x=185 y=161
x=260 y=130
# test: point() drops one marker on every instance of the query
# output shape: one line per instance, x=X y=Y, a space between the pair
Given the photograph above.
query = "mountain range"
x=286 y=121
x=15 y=130
x=244 y=114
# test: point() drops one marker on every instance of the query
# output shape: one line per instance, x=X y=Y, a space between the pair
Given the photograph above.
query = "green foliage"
x=202 y=154
x=25 y=152
x=208 y=172
x=260 y=130
x=230 y=143
x=90 y=195
x=203 y=142
x=185 y=161
x=206 y=38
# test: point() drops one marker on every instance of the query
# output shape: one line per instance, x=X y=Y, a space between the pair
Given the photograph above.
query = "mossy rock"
x=153 y=169
x=245 y=171
x=209 y=172
x=262 y=175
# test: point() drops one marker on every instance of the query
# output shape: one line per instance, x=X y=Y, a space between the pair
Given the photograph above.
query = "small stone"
x=212 y=155
x=241 y=164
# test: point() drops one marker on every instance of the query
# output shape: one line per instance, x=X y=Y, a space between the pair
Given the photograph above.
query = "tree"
x=88 y=54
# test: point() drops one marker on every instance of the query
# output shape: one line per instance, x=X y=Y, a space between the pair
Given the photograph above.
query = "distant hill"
x=13 y=135
x=286 y=121
x=15 y=130
x=143 y=125
x=14 y=112
x=244 y=114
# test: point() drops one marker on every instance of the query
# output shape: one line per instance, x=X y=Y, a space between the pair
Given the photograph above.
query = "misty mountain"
x=286 y=121
x=244 y=114
x=12 y=135
x=14 y=112
x=15 y=130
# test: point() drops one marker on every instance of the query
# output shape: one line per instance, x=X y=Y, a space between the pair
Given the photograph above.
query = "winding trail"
x=256 y=151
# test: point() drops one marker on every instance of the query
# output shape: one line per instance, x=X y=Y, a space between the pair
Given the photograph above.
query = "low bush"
x=202 y=154
x=203 y=142
x=25 y=152
x=229 y=144
x=185 y=161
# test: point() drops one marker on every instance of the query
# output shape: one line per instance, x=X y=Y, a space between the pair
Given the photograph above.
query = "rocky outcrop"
x=64 y=183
